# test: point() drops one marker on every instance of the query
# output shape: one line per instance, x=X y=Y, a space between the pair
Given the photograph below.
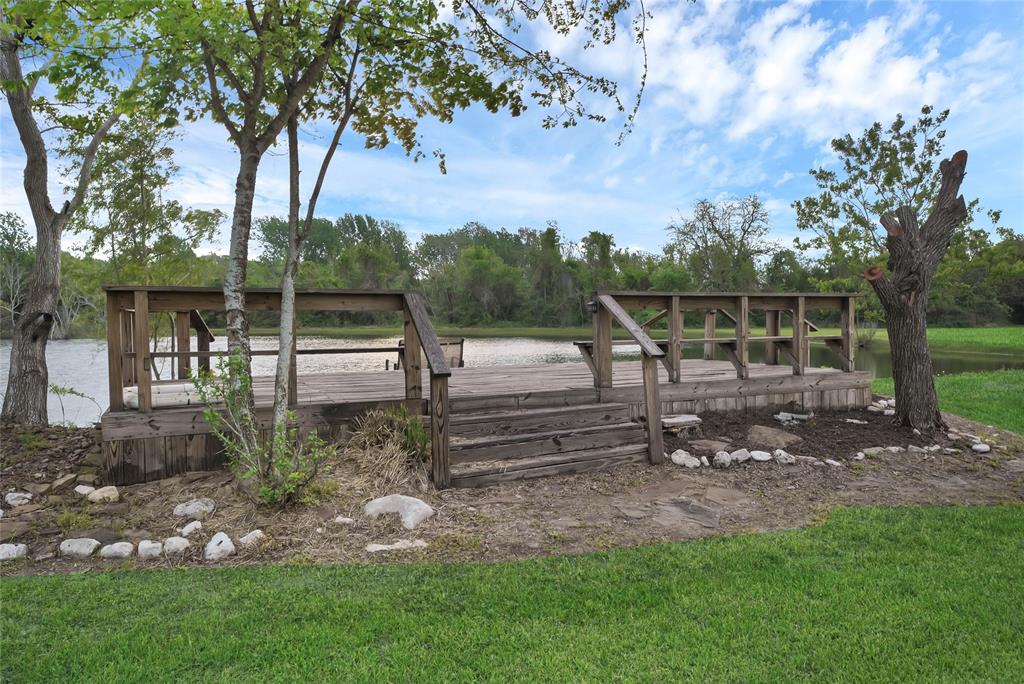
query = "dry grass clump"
x=389 y=447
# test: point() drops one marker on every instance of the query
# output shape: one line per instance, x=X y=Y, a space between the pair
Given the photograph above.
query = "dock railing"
x=130 y=358
x=794 y=347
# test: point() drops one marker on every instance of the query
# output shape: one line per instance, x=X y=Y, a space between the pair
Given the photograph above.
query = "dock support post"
x=771 y=329
x=742 y=333
x=602 y=346
x=115 y=350
x=652 y=410
x=184 y=340
x=799 y=335
x=142 y=358
x=709 y=332
x=675 y=333
x=440 y=465
x=413 y=358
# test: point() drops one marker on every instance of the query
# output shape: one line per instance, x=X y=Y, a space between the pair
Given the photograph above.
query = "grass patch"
x=989 y=397
x=922 y=594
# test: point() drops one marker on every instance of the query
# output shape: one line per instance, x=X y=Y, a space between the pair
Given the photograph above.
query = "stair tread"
x=482 y=416
x=526 y=464
x=521 y=437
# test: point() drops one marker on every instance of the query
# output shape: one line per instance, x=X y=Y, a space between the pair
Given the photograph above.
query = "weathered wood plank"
x=647 y=345
x=602 y=351
x=528 y=445
x=440 y=464
x=532 y=468
x=142 y=358
x=428 y=338
x=412 y=357
x=652 y=410
x=114 y=352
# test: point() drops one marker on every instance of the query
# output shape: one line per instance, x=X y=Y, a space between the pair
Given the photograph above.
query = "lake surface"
x=82 y=364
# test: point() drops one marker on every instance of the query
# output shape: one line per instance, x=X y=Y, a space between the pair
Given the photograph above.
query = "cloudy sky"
x=741 y=99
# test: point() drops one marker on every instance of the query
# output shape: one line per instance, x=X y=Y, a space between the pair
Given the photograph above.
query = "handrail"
x=436 y=361
x=647 y=345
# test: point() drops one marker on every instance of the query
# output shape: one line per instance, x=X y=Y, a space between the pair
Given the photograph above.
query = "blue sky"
x=742 y=99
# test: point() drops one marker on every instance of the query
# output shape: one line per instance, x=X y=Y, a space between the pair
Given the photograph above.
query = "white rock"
x=12 y=551
x=78 y=548
x=219 y=547
x=704 y=461
x=784 y=457
x=875 y=409
x=889 y=412
x=874 y=451
x=400 y=545
x=914 y=449
x=84 y=490
x=18 y=498
x=104 y=495
x=949 y=450
x=252 y=539
x=817 y=462
x=196 y=509
x=895 y=449
x=859 y=456
x=854 y=421
x=117 y=550
x=683 y=458
x=190 y=529
x=176 y=546
x=411 y=510
x=722 y=460
x=149 y=549
x=832 y=462
x=916 y=432
x=342 y=520
x=740 y=456
x=760 y=456
x=933 y=447
x=981 y=448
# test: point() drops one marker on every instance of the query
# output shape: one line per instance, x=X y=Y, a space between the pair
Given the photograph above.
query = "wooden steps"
x=499 y=446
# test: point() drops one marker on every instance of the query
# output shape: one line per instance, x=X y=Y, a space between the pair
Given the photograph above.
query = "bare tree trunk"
x=914 y=254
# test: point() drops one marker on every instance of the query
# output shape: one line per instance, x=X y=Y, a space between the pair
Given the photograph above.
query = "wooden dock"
x=495 y=423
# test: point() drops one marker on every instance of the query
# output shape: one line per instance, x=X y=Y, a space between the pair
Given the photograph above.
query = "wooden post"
x=709 y=332
x=127 y=337
x=799 y=333
x=114 y=353
x=142 y=359
x=602 y=347
x=806 y=351
x=742 y=333
x=652 y=410
x=413 y=358
x=771 y=329
x=440 y=464
x=675 y=332
x=184 y=339
x=847 y=325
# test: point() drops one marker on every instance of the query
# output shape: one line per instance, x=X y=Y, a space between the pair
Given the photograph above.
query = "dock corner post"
x=799 y=335
x=742 y=333
x=602 y=346
x=182 y=325
x=847 y=326
x=652 y=410
x=709 y=333
x=412 y=363
x=771 y=329
x=675 y=333
x=143 y=362
x=115 y=351
x=440 y=464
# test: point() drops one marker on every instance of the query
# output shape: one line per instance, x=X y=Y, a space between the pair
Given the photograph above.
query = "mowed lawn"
x=924 y=594
x=991 y=397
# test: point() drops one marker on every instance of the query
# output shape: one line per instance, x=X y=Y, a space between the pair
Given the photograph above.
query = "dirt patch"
x=630 y=505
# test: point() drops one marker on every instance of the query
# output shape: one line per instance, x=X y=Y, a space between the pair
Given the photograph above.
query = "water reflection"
x=82 y=364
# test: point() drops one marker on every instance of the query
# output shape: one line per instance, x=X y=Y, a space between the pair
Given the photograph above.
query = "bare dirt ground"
x=626 y=506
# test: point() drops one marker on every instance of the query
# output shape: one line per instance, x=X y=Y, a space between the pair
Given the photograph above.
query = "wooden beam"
x=142 y=360
x=799 y=332
x=652 y=410
x=647 y=345
x=114 y=353
x=602 y=350
x=413 y=357
x=183 y=337
x=428 y=338
x=742 y=332
x=440 y=463
x=771 y=325
x=675 y=333
x=709 y=332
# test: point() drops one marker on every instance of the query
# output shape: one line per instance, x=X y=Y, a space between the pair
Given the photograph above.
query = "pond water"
x=82 y=364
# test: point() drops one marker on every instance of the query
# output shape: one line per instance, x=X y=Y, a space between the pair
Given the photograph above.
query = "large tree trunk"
x=28 y=379
x=914 y=254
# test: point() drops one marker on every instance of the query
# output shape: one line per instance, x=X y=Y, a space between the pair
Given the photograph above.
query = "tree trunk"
x=28 y=379
x=915 y=251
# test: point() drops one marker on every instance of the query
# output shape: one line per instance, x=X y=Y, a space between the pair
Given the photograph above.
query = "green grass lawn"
x=926 y=594
x=993 y=397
